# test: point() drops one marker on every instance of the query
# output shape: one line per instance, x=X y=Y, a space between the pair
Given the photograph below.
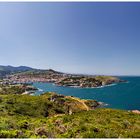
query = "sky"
x=88 y=38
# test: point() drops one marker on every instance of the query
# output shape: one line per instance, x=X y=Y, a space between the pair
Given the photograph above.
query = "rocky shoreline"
x=88 y=82
x=17 y=89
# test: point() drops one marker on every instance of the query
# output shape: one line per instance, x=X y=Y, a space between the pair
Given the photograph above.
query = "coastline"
x=88 y=87
x=120 y=93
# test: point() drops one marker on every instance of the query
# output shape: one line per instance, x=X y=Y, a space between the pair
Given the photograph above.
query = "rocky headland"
x=88 y=81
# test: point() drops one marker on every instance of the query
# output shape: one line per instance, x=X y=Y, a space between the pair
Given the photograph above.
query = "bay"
x=124 y=96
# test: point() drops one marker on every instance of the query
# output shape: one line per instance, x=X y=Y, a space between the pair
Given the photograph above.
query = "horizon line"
x=131 y=75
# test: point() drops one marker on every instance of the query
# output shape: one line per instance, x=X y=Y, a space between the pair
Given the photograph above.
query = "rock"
x=41 y=131
x=136 y=111
x=28 y=88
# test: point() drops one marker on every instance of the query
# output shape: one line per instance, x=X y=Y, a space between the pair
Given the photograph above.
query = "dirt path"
x=58 y=115
x=82 y=102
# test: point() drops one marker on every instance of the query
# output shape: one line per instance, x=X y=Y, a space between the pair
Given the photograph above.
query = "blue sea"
x=124 y=96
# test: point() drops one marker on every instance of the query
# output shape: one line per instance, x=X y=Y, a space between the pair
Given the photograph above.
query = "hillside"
x=99 y=123
x=15 y=69
x=4 y=70
x=51 y=103
x=48 y=116
x=24 y=70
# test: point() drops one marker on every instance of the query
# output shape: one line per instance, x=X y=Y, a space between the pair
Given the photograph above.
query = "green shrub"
x=24 y=116
x=9 y=134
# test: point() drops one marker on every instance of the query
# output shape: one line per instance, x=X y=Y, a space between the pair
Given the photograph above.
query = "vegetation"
x=16 y=89
x=11 y=89
x=6 y=70
x=57 y=116
x=100 y=123
x=47 y=116
x=45 y=105
x=24 y=70
x=88 y=81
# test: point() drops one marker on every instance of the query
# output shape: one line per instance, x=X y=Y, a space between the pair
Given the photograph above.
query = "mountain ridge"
x=6 y=70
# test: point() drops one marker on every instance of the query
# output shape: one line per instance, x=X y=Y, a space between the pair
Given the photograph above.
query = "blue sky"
x=91 y=38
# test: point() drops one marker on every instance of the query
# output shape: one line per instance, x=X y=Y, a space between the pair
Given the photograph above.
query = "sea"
x=124 y=96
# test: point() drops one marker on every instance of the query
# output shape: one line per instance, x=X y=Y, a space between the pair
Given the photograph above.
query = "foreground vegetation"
x=48 y=116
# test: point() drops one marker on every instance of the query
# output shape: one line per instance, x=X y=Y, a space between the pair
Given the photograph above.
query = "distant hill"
x=5 y=70
x=12 y=69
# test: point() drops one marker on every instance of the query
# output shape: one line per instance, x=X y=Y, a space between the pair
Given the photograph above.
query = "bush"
x=9 y=134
